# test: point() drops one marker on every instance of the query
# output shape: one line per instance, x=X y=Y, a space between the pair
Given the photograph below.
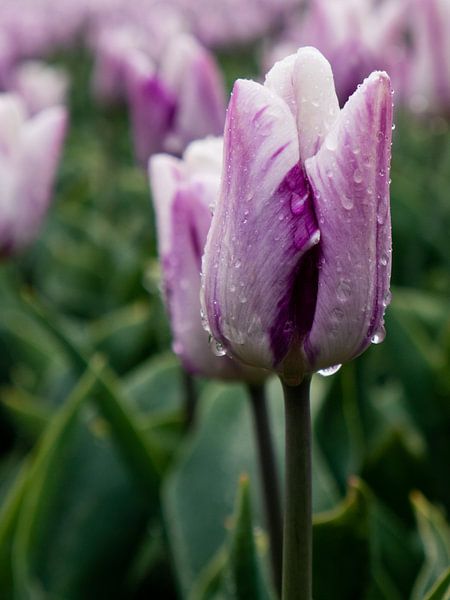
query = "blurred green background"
x=102 y=492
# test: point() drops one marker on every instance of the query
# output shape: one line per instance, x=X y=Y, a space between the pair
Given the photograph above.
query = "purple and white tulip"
x=180 y=100
x=428 y=77
x=29 y=155
x=184 y=192
x=39 y=85
x=297 y=263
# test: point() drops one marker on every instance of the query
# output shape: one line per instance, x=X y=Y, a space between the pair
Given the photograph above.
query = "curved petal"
x=305 y=81
x=350 y=181
x=192 y=74
x=152 y=106
x=183 y=219
x=263 y=224
x=41 y=144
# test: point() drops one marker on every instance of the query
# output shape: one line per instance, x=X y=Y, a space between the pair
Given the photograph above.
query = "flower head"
x=29 y=155
x=297 y=262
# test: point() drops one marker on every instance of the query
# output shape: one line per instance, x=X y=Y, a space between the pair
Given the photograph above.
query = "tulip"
x=40 y=85
x=180 y=100
x=184 y=192
x=297 y=264
x=428 y=76
x=29 y=155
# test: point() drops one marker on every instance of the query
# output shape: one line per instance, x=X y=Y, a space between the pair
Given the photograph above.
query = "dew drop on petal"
x=329 y=370
x=217 y=348
x=379 y=336
x=357 y=176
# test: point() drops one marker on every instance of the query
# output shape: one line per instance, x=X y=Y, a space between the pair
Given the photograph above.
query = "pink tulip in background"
x=30 y=150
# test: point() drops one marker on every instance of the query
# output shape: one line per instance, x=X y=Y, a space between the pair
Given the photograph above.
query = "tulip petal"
x=183 y=219
x=263 y=224
x=191 y=73
x=152 y=106
x=41 y=144
x=350 y=181
x=305 y=81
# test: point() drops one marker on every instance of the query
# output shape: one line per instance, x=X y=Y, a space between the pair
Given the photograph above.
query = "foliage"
x=103 y=494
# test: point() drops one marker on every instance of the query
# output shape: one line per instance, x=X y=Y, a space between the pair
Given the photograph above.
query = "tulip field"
x=225 y=300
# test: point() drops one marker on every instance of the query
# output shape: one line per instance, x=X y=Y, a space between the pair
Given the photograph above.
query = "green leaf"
x=435 y=535
x=62 y=548
x=441 y=589
x=341 y=553
x=198 y=496
x=235 y=571
x=244 y=580
x=123 y=335
x=38 y=484
x=156 y=385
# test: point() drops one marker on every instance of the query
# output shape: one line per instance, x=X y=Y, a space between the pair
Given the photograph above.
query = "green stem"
x=297 y=548
x=269 y=479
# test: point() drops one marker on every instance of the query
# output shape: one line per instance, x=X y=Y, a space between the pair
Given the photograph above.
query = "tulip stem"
x=297 y=548
x=269 y=479
x=190 y=401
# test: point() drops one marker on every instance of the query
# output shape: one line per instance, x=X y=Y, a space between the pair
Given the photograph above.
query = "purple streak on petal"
x=296 y=307
x=193 y=76
x=152 y=108
x=263 y=224
x=350 y=181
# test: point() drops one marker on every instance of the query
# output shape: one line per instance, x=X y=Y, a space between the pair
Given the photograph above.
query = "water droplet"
x=393 y=126
x=232 y=288
x=205 y=323
x=357 y=176
x=380 y=136
x=242 y=299
x=237 y=264
x=387 y=298
x=331 y=141
x=383 y=260
x=347 y=202
x=344 y=290
x=217 y=347
x=329 y=371
x=337 y=314
x=379 y=336
x=298 y=202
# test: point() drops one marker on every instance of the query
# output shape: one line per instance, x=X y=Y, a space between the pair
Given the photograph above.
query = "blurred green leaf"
x=441 y=589
x=435 y=535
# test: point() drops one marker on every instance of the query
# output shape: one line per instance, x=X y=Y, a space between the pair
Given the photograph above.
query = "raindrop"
x=344 y=290
x=379 y=336
x=242 y=299
x=347 y=202
x=237 y=264
x=357 y=176
x=297 y=202
x=387 y=298
x=383 y=260
x=329 y=371
x=217 y=347
x=205 y=323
